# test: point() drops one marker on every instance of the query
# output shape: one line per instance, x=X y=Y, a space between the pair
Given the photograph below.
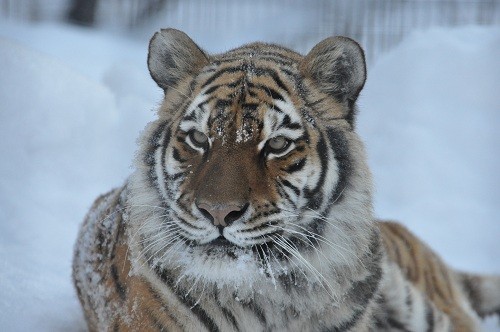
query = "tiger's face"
x=252 y=168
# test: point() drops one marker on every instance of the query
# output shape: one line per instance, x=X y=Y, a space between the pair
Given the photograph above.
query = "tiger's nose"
x=222 y=214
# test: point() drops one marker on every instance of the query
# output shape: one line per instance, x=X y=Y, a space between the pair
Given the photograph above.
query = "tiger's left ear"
x=337 y=65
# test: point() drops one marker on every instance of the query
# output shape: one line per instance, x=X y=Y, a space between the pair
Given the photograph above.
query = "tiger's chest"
x=143 y=297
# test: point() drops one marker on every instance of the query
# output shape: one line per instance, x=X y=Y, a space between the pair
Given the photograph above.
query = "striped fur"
x=250 y=209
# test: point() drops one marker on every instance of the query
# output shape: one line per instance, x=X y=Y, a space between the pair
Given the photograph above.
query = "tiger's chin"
x=221 y=263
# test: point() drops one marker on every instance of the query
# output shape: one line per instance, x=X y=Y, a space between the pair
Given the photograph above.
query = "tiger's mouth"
x=221 y=241
x=222 y=246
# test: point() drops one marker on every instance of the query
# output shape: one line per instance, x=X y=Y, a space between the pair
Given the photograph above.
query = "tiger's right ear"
x=337 y=65
x=173 y=56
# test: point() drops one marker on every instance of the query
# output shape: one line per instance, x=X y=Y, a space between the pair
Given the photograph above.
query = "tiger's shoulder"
x=113 y=296
x=95 y=253
x=429 y=283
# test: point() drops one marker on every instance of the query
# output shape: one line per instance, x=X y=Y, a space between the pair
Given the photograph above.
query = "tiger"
x=250 y=209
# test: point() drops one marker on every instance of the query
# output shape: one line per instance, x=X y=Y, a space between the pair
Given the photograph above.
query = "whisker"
x=293 y=250
x=278 y=246
x=329 y=243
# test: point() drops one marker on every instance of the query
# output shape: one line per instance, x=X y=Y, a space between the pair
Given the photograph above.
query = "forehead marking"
x=280 y=117
x=197 y=114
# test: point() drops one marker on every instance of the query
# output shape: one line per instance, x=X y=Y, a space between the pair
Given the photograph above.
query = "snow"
x=73 y=101
x=432 y=132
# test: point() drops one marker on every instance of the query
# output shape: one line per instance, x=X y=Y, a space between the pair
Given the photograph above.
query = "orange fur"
x=426 y=271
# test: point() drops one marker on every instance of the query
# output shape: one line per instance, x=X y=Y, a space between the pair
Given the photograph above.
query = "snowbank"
x=72 y=102
x=67 y=132
x=430 y=116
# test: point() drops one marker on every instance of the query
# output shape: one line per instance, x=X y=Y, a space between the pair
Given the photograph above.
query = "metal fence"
x=377 y=24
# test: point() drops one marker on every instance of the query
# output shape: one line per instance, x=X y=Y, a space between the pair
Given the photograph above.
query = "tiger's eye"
x=198 y=138
x=278 y=143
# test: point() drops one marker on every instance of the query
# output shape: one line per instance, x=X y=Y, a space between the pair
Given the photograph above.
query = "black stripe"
x=156 y=322
x=250 y=106
x=268 y=90
x=469 y=284
x=223 y=103
x=293 y=126
x=409 y=299
x=284 y=194
x=312 y=104
x=315 y=196
x=185 y=222
x=340 y=147
x=229 y=316
x=275 y=108
x=348 y=325
x=307 y=117
x=183 y=203
x=274 y=75
x=185 y=208
x=262 y=224
x=257 y=311
x=177 y=156
x=101 y=239
x=155 y=142
x=429 y=317
x=214 y=88
x=316 y=228
x=291 y=186
x=288 y=124
x=251 y=93
x=164 y=307
x=303 y=243
x=227 y=313
x=297 y=166
x=361 y=292
x=120 y=230
x=153 y=291
x=351 y=116
x=165 y=143
x=120 y=289
x=261 y=254
x=290 y=73
x=169 y=178
x=173 y=177
x=210 y=69
x=219 y=73
x=286 y=121
x=188 y=301
x=379 y=324
x=190 y=117
x=149 y=159
x=394 y=323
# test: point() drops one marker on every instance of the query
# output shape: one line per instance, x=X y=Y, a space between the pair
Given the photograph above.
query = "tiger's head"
x=252 y=169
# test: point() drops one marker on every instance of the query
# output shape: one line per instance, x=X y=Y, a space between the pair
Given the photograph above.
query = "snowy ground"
x=72 y=102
